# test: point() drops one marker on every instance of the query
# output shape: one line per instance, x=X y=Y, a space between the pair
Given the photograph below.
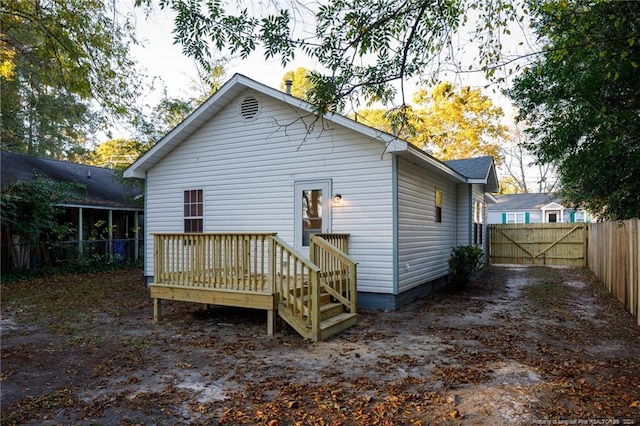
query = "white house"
x=254 y=159
x=533 y=208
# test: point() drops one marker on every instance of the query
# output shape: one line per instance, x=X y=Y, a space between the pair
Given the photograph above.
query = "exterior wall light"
x=337 y=199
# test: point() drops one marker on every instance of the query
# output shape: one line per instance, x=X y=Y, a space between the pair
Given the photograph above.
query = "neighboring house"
x=105 y=209
x=254 y=159
x=533 y=208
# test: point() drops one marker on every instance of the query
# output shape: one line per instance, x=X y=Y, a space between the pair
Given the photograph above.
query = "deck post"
x=315 y=306
x=136 y=236
x=157 y=309
x=271 y=321
x=272 y=267
x=80 y=235
x=353 y=290
x=110 y=235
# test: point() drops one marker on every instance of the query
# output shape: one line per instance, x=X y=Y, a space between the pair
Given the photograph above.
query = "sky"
x=164 y=67
x=164 y=60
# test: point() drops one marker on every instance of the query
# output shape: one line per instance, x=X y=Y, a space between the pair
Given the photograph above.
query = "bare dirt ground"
x=520 y=346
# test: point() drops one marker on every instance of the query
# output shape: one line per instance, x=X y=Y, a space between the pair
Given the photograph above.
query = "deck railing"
x=229 y=261
x=337 y=269
x=259 y=263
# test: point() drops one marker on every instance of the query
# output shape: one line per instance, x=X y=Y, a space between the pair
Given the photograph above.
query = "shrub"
x=463 y=262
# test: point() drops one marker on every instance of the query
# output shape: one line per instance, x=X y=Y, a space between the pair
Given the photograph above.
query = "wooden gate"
x=538 y=244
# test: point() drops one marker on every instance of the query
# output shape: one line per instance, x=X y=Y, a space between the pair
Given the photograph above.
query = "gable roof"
x=102 y=187
x=477 y=170
x=515 y=202
x=552 y=206
x=235 y=87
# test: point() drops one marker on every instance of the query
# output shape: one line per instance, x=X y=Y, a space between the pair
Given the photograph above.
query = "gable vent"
x=249 y=108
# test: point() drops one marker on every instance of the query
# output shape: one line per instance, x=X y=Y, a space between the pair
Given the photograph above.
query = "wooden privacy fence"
x=614 y=257
x=538 y=243
x=610 y=249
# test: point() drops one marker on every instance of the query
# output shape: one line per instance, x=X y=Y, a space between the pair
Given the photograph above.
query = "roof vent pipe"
x=288 y=84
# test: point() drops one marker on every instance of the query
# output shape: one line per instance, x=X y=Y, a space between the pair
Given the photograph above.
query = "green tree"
x=166 y=115
x=29 y=212
x=365 y=46
x=116 y=153
x=581 y=99
x=58 y=59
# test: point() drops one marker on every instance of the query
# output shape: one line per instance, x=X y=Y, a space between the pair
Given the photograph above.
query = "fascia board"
x=433 y=162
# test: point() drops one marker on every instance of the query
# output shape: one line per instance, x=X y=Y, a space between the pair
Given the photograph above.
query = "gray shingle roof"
x=515 y=202
x=102 y=187
x=480 y=170
x=474 y=168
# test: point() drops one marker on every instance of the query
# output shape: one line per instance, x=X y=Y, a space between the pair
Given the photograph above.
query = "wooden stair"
x=334 y=317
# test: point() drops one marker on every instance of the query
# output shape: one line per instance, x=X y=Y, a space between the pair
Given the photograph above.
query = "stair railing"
x=338 y=271
x=295 y=280
x=340 y=241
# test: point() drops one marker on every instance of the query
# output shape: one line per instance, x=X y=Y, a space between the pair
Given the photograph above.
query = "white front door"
x=312 y=211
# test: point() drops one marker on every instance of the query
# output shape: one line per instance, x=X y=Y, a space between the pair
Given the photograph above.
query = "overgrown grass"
x=545 y=273
x=547 y=290
x=66 y=302
x=81 y=267
x=488 y=279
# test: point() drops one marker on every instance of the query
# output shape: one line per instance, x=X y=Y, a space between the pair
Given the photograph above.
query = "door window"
x=312 y=211
x=311 y=214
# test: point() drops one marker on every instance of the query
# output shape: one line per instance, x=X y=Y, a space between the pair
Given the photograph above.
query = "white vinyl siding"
x=463 y=215
x=479 y=197
x=247 y=170
x=423 y=244
x=479 y=215
x=465 y=212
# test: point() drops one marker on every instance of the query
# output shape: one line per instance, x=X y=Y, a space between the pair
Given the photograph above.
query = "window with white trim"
x=515 y=217
x=438 y=212
x=193 y=210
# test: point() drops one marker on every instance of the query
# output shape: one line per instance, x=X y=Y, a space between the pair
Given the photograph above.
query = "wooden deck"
x=260 y=271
